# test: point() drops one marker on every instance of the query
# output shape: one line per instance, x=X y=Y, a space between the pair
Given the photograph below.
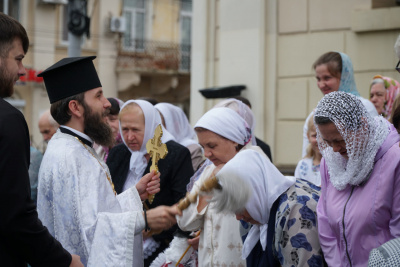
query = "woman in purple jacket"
x=359 y=206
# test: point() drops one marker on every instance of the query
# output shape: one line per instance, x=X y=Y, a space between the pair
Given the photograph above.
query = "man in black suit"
x=23 y=238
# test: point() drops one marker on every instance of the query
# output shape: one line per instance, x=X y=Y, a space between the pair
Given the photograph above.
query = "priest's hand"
x=76 y=261
x=148 y=185
x=162 y=217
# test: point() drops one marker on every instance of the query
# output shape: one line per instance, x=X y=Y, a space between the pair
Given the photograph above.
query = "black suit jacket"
x=23 y=238
x=176 y=170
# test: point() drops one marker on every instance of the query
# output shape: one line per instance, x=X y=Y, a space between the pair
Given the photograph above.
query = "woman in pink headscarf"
x=383 y=92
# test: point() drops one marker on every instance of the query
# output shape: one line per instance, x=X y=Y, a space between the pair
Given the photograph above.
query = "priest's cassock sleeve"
x=23 y=238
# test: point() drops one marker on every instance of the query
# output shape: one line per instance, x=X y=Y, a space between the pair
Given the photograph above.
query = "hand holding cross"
x=157 y=150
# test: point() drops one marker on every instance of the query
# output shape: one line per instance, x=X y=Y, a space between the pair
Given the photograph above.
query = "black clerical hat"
x=70 y=76
x=222 y=92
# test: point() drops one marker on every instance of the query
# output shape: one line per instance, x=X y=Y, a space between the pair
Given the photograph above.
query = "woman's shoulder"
x=300 y=193
x=176 y=148
x=118 y=152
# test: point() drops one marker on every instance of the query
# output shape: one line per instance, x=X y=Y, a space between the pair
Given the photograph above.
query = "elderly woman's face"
x=133 y=127
x=377 y=96
x=333 y=138
x=216 y=148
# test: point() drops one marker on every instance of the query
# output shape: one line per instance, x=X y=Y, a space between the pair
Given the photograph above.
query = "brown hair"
x=10 y=29
x=333 y=61
x=395 y=115
x=60 y=109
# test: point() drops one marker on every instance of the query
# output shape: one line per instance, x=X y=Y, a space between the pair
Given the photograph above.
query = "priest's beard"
x=6 y=82
x=96 y=128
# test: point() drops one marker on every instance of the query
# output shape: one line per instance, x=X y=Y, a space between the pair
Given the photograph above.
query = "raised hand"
x=148 y=185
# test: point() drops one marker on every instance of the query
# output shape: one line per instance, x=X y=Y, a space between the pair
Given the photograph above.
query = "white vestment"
x=78 y=206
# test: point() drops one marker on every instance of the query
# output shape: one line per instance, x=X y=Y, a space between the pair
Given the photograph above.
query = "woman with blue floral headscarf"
x=334 y=72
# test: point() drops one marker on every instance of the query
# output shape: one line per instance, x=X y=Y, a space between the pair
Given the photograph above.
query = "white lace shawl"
x=362 y=134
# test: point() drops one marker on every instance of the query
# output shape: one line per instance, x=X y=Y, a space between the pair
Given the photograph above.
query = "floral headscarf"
x=392 y=90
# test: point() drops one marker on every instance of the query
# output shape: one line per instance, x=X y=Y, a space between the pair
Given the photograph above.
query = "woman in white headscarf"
x=129 y=161
x=175 y=121
x=245 y=112
x=222 y=133
x=282 y=211
x=360 y=180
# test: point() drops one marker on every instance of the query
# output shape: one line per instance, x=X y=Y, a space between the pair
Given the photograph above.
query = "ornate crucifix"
x=157 y=150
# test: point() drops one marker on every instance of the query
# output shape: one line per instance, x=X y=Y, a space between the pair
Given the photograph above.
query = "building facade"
x=270 y=47
x=143 y=49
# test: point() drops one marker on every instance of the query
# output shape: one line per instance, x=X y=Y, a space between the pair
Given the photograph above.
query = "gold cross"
x=157 y=150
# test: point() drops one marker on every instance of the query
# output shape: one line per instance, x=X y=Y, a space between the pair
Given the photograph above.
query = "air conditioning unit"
x=54 y=2
x=117 y=24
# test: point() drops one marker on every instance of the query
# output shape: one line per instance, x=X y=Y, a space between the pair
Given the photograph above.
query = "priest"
x=76 y=197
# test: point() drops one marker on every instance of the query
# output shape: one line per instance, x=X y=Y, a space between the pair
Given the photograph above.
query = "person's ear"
x=75 y=109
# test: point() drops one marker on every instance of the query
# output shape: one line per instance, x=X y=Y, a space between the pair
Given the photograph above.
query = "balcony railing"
x=144 y=55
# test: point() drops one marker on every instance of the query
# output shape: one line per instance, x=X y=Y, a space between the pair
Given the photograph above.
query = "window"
x=10 y=7
x=186 y=32
x=135 y=15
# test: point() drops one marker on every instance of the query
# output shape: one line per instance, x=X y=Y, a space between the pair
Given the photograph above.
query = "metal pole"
x=5 y=7
x=74 y=45
x=74 y=41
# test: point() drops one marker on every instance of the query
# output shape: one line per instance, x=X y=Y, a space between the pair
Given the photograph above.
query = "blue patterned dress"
x=296 y=241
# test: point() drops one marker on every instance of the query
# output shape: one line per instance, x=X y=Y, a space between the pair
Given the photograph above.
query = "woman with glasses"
x=360 y=180
x=334 y=72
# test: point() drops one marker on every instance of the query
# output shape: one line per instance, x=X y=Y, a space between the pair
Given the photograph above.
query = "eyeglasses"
x=398 y=67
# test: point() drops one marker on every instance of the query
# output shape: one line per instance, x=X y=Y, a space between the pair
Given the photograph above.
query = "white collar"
x=78 y=133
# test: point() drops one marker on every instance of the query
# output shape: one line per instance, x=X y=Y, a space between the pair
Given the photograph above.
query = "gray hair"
x=377 y=81
x=52 y=121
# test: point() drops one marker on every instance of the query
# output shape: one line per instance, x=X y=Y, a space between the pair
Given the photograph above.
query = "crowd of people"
x=93 y=199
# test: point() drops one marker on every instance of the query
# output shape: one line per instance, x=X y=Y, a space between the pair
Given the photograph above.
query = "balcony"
x=153 y=56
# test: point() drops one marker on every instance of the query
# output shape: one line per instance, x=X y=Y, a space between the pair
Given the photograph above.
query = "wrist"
x=146 y=225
